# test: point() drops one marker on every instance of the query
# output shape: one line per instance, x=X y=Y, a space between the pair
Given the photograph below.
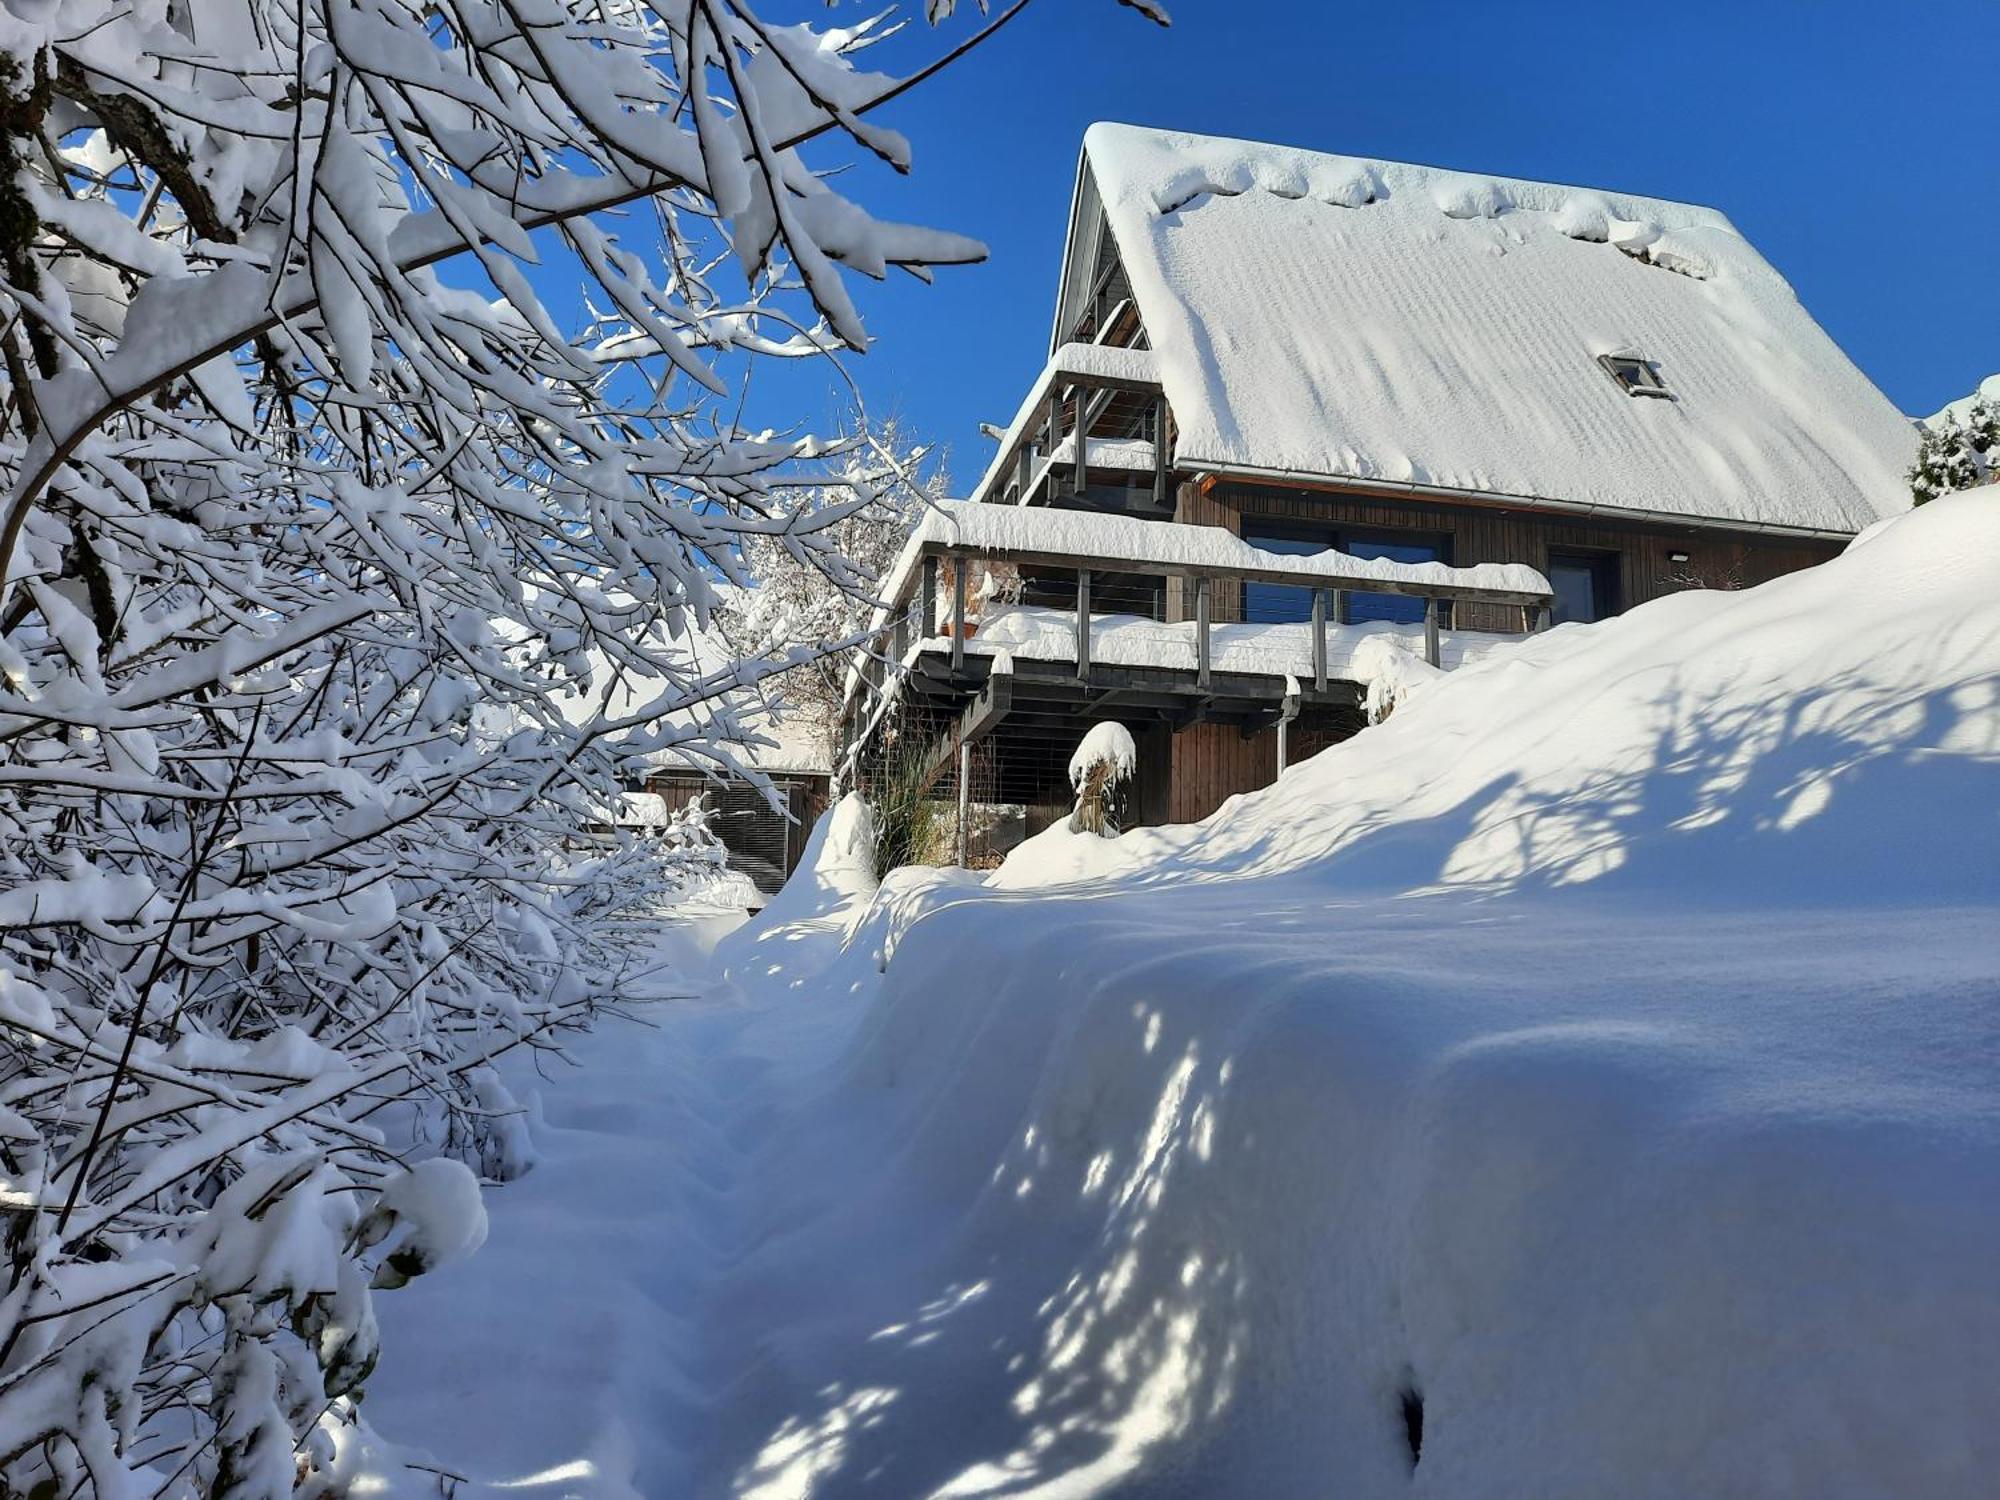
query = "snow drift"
x=1652 y=1152
x=1581 y=1084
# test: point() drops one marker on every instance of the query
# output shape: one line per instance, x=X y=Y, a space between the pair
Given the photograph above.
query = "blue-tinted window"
x=1362 y=607
x=1274 y=603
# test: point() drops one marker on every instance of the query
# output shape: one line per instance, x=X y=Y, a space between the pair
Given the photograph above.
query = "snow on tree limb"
x=349 y=432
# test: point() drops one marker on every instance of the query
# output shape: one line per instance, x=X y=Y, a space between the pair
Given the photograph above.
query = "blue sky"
x=1855 y=144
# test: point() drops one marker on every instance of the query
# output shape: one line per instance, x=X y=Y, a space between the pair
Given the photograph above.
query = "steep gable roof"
x=1376 y=321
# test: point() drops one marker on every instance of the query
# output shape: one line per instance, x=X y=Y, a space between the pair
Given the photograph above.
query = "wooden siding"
x=1480 y=534
x=1213 y=762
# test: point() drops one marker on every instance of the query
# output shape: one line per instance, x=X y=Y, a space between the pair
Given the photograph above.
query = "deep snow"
x=1595 y=1063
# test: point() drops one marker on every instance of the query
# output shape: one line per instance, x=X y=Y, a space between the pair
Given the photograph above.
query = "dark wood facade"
x=1210 y=763
x=1642 y=553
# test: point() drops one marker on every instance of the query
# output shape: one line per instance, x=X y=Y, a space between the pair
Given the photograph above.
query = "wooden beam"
x=929 y=622
x=1160 y=450
x=1319 y=638
x=1201 y=612
x=1083 y=624
x=981 y=717
x=1081 y=475
x=1431 y=631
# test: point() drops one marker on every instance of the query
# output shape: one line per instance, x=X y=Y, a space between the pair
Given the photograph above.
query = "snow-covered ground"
x=1585 y=1083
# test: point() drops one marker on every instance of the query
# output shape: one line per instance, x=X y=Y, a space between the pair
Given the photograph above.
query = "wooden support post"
x=964 y=802
x=1336 y=607
x=1083 y=625
x=1160 y=450
x=1320 y=597
x=960 y=566
x=928 y=624
x=1431 y=631
x=1201 y=591
x=1052 y=427
x=1024 y=469
x=1287 y=712
x=1082 y=442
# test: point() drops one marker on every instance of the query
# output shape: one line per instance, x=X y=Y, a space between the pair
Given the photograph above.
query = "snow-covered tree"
x=364 y=390
x=797 y=602
x=1957 y=450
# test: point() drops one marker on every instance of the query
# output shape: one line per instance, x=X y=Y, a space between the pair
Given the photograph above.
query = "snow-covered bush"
x=1103 y=762
x=1959 y=448
x=317 y=499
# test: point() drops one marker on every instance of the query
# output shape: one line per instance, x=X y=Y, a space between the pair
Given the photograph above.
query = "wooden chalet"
x=1303 y=412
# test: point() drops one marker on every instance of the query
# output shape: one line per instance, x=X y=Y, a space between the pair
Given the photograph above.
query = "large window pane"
x=1361 y=607
x=1272 y=603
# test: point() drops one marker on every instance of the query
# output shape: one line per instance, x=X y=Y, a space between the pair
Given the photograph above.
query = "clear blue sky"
x=1856 y=144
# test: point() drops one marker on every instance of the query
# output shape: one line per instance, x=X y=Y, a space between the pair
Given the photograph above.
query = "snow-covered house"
x=1303 y=410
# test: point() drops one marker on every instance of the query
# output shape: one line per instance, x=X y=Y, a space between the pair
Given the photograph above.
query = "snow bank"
x=1650 y=1153
x=1589 y=1072
x=1404 y=324
x=802 y=927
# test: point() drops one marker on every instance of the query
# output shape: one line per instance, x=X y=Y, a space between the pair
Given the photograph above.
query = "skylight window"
x=1635 y=376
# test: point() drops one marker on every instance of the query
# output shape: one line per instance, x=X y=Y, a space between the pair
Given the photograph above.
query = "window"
x=1277 y=604
x=1585 y=585
x=1274 y=603
x=1634 y=376
x=1363 y=607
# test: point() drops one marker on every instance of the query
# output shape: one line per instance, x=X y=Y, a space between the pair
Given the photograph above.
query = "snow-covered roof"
x=1328 y=315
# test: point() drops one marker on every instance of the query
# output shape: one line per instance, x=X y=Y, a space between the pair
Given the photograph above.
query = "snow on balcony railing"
x=1093 y=539
x=1098 y=364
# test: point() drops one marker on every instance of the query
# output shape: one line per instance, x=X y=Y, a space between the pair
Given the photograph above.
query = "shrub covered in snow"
x=1103 y=762
x=303 y=545
x=1959 y=448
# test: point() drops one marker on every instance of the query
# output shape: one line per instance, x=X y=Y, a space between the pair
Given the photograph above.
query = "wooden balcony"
x=1088 y=647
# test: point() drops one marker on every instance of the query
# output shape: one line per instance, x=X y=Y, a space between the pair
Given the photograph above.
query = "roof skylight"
x=1635 y=376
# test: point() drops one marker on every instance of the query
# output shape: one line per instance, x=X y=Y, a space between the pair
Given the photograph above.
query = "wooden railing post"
x=1160 y=450
x=1201 y=631
x=1082 y=443
x=1083 y=624
x=1431 y=631
x=928 y=625
x=958 y=571
x=1319 y=638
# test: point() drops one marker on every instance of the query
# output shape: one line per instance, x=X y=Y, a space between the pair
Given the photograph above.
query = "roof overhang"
x=1208 y=473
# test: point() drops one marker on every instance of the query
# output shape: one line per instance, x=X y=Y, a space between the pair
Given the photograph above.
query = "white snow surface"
x=1604 y=1051
x=1393 y=323
x=1000 y=530
x=1354 y=653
